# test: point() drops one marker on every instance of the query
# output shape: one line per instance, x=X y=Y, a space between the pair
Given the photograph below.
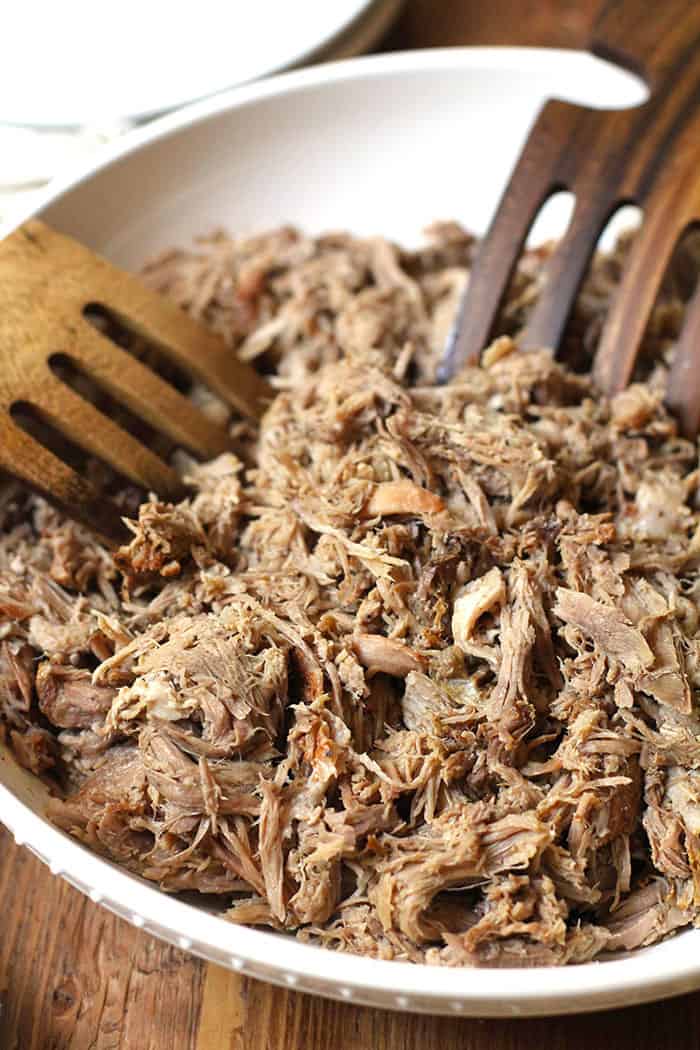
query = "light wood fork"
x=47 y=282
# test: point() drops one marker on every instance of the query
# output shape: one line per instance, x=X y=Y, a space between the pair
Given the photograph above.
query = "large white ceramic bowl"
x=380 y=144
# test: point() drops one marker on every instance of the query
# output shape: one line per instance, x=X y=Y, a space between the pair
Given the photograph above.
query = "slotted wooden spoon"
x=47 y=281
x=648 y=155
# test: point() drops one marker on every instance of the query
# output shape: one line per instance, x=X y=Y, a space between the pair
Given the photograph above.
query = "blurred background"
x=77 y=75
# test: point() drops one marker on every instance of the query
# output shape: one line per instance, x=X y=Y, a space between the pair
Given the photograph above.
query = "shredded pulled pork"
x=414 y=673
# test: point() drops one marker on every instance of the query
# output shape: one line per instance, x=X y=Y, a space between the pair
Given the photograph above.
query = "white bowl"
x=161 y=55
x=384 y=144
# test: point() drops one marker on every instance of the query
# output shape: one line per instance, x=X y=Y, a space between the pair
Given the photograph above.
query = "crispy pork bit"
x=377 y=653
x=163 y=538
x=402 y=497
x=412 y=674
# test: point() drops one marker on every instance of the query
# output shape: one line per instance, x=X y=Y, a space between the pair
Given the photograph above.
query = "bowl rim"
x=420 y=60
x=283 y=959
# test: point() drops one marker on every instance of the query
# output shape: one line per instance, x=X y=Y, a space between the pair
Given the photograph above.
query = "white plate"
x=77 y=62
x=364 y=32
x=381 y=144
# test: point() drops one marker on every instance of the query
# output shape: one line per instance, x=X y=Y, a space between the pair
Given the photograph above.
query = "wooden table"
x=77 y=978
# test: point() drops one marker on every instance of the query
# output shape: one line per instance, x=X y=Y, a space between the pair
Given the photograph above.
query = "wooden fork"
x=647 y=155
x=46 y=282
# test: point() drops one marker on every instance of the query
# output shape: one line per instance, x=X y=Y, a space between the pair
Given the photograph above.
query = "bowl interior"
x=385 y=152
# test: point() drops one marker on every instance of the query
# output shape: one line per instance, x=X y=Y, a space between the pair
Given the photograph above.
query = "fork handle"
x=652 y=38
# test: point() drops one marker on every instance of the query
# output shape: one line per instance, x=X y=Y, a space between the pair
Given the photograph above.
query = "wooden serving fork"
x=47 y=281
x=648 y=155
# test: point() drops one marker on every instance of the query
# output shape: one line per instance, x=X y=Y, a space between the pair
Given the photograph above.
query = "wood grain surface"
x=38 y=264
x=74 y=977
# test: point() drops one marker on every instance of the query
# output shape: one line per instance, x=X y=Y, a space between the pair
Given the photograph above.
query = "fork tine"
x=530 y=185
x=145 y=393
x=631 y=308
x=198 y=351
x=671 y=206
x=86 y=426
x=683 y=391
x=22 y=457
x=563 y=274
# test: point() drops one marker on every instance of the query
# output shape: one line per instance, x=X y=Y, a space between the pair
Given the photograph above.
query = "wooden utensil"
x=648 y=155
x=47 y=281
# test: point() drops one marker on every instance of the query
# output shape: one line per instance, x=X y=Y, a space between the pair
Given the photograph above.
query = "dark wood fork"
x=648 y=155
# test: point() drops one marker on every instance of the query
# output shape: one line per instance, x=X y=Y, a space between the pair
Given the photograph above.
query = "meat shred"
x=413 y=674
